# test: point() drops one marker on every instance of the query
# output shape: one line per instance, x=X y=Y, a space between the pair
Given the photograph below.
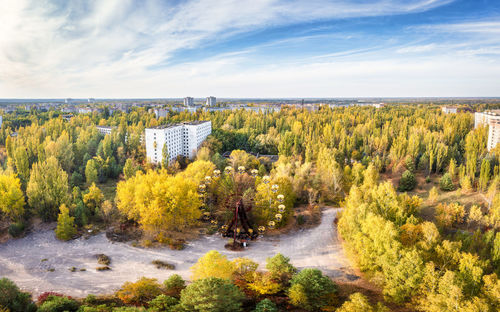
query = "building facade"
x=1 y=120
x=449 y=109
x=492 y=120
x=104 y=130
x=180 y=139
x=211 y=101
x=188 y=101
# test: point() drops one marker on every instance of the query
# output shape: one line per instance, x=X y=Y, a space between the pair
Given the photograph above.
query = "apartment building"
x=181 y=139
x=104 y=130
x=188 y=101
x=211 y=101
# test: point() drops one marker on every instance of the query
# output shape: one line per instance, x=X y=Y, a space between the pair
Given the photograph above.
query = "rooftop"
x=189 y=123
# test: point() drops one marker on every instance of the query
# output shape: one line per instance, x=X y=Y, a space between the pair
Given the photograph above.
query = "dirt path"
x=21 y=260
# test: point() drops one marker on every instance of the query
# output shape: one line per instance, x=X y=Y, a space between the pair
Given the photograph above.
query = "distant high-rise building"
x=180 y=139
x=188 y=101
x=211 y=101
x=1 y=120
x=492 y=119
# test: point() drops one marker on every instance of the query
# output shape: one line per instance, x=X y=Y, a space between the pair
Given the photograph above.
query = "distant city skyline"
x=249 y=49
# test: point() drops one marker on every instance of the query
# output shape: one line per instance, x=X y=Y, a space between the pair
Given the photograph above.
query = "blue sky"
x=257 y=48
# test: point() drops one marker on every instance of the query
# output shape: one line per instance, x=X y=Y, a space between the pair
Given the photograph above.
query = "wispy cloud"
x=129 y=48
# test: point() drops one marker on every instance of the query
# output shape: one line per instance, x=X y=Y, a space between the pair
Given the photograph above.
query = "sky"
x=249 y=48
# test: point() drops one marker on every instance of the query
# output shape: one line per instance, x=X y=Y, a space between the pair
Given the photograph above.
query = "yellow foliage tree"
x=159 y=201
x=213 y=264
x=12 y=198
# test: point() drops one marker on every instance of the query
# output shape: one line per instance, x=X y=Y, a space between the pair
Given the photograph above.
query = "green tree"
x=93 y=199
x=484 y=176
x=211 y=295
x=407 y=182
x=65 y=224
x=445 y=183
x=14 y=299
x=92 y=171
x=280 y=268
x=163 y=303
x=266 y=305
x=47 y=188
x=129 y=169
x=311 y=290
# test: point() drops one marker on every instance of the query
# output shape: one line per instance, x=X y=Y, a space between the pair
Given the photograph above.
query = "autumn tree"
x=12 y=198
x=211 y=295
x=65 y=224
x=212 y=264
x=93 y=199
x=47 y=188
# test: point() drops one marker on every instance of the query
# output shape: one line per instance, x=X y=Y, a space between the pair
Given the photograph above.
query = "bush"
x=358 y=302
x=13 y=299
x=174 y=285
x=311 y=290
x=446 y=183
x=266 y=305
x=163 y=303
x=448 y=215
x=103 y=259
x=103 y=268
x=407 y=182
x=16 y=229
x=140 y=292
x=211 y=295
x=163 y=265
x=44 y=296
x=59 y=304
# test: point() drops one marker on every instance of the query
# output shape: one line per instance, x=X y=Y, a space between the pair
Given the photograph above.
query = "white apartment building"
x=492 y=119
x=161 y=112
x=188 y=101
x=1 y=120
x=181 y=139
x=211 y=101
x=449 y=109
x=104 y=130
x=483 y=118
x=493 y=133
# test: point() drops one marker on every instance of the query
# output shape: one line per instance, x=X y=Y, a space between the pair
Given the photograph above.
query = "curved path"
x=21 y=259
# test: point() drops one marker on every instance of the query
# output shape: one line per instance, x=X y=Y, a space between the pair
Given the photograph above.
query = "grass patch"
x=108 y=189
x=163 y=265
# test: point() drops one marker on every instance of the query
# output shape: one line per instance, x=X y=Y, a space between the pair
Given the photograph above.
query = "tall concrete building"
x=188 y=101
x=211 y=101
x=1 y=120
x=492 y=119
x=449 y=109
x=180 y=139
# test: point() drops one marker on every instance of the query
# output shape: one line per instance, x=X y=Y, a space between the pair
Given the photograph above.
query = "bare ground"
x=39 y=262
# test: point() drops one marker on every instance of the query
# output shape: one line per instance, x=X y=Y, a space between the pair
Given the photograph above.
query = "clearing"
x=40 y=263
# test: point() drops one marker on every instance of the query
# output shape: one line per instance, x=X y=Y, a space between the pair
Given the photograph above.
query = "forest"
x=418 y=188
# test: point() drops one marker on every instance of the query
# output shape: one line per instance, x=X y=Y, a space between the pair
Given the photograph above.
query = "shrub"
x=280 y=268
x=44 y=296
x=103 y=259
x=212 y=264
x=433 y=194
x=174 y=285
x=163 y=303
x=407 y=182
x=13 y=299
x=140 y=292
x=163 y=265
x=59 y=304
x=311 y=290
x=103 y=268
x=266 y=305
x=448 y=215
x=211 y=295
x=301 y=220
x=445 y=183
x=16 y=229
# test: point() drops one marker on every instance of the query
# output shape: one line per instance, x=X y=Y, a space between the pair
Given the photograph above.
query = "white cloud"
x=111 y=48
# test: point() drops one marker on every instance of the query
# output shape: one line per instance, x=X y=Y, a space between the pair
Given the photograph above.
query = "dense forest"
x=421 y=215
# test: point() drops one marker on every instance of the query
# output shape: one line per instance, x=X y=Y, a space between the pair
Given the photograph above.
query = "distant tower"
x=188 y=101
x=211 y=101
